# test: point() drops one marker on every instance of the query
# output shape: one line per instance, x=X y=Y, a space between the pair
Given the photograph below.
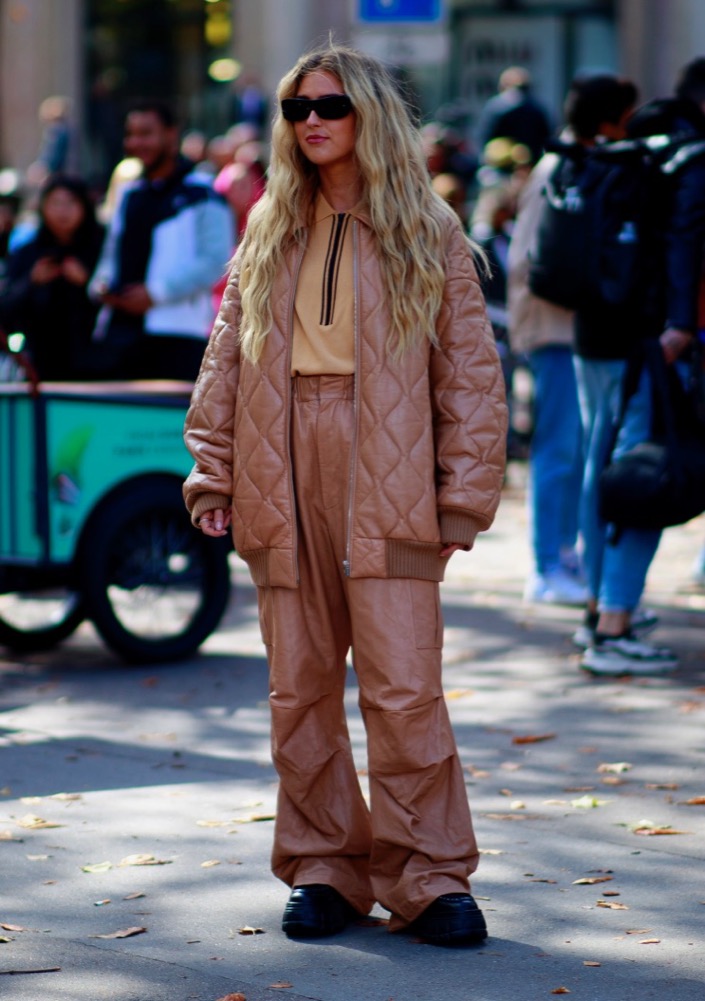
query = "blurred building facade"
x=201 y=53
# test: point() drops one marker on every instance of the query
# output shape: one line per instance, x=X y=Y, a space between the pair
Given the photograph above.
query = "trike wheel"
x=39 y=620
x=155 y=586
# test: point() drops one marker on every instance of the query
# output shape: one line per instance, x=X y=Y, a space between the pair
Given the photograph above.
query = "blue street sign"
x=399 y=11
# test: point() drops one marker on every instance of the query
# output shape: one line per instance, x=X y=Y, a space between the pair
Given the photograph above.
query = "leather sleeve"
x=208 y=430
x=470 y=412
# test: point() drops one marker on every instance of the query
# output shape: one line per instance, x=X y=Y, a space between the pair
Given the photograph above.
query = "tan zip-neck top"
x=324 y=302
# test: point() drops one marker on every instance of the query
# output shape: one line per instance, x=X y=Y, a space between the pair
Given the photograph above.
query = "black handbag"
x=660 y=482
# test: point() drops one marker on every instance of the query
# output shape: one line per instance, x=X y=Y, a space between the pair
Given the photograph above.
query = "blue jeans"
x=616 y=572
x=556 y=463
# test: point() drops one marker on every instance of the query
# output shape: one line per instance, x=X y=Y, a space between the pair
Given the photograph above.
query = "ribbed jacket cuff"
x=208 y=502
x=458 y=527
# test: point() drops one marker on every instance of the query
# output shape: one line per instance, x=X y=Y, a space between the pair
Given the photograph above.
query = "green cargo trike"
x=93 y=525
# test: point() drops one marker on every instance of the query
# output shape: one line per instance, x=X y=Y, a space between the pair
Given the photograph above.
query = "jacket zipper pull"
x=346 y=567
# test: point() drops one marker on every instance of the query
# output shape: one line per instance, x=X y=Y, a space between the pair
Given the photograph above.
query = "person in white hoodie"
x=168 y=243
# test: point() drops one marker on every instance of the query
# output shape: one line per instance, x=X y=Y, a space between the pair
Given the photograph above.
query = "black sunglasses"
x=297 y=109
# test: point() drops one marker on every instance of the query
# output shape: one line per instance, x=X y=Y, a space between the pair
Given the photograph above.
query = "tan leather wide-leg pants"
x=416 y=840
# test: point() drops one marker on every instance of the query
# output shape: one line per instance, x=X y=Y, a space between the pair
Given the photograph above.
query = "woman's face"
x=63 y=213
x=325 y=142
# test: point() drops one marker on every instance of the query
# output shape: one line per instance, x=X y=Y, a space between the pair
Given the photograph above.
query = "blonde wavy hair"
x=408 y=217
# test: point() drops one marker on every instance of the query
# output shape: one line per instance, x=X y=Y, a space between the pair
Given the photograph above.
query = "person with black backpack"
x=645 y=281
x=541 y=326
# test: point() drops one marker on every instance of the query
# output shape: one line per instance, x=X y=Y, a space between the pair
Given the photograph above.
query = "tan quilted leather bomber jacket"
x=428 y=456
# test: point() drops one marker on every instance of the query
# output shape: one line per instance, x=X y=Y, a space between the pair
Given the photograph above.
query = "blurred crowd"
x=125 y=283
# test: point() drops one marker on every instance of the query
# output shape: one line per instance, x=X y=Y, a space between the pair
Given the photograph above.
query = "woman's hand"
x=45 y=270
x=74 y=272
x=448 y=548
x=674 y=342
x=215 y=522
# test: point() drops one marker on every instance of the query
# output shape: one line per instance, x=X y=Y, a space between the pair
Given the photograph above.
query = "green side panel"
x=18 y=516
x=93 y=446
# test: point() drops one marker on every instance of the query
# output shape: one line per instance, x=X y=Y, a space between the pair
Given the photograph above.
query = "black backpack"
x=603 y=209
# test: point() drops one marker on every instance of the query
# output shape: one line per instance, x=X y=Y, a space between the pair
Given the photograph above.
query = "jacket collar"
x=323 y=210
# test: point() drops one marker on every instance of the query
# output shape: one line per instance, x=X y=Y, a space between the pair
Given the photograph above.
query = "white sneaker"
x=627 y=655
x=643 y=621
x=555 y=588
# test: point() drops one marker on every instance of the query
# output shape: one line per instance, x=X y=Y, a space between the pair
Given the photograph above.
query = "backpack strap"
x=686 y=153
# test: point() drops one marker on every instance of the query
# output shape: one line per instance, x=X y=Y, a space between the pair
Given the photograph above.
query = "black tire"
x=155 y=586
x=39 y=620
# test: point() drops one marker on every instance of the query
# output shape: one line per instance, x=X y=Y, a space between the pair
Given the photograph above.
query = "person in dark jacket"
x=514 y=113
x=44 y=294
x=605 y=340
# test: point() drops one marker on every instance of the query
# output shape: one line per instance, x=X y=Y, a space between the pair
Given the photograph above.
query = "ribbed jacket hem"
x=419 y=560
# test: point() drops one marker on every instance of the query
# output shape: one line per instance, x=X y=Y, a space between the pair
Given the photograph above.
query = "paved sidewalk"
x=592 y=874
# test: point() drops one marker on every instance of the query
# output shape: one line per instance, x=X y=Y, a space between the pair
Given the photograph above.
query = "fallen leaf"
x=4 y=939
x=637 y=931
x=645 y=827
x=213 y=823
x=97 y=867
x=38 y=858
x=7 y=927
x=34 y=823
x=611 y=893
x=661 y=785
x=123 y=933
x=9 y=836
x=512 y=816
x=233 y=997
x=611 y=905
x=249 y=930
x=135 y=896
x=613 y=780
x=650 y=941
x=280 y=984
x=691 y=706
x=491 y=851
x=616 y=766
x=14 y=973
x=210 y=863
x=254 y=818
x=587 y=803
x=591 y=962
x=533 y=738
x=591 y=880
x=518 y=804
x=459 y=693
x=141 y=859
x=66 y=797
x=560 y=990
x=537 y=880
x=477 y=773
x=694 y=801
x=578 y=788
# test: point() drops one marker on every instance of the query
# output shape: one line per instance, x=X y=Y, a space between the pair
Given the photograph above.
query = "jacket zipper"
x=356 y=409
x=289 y=351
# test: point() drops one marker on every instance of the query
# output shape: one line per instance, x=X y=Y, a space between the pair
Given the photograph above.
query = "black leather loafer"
x=315 y=911
x=453 y=919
